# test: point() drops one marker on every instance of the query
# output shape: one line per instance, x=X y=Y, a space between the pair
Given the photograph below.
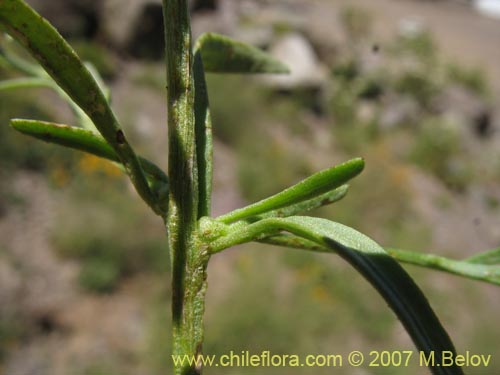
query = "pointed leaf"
x=474 y=270
x=224 y=55
x=79 y=139
x=375 y=265
x=203 y=130
x=312 y=187
x=308 y=205
x=387 y=276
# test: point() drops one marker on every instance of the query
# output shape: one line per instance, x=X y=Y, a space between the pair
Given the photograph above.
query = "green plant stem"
x=21 y=83
x=189 y=259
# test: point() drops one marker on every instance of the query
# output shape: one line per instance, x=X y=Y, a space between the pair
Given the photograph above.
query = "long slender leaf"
x=203 y=129
x=224 y=55
x=60 y=61
x=387 y=276
x=10 y=60
x=384 y=273
x=308 y=205
x=79 y=139
x=21 y=83
x=312 y=187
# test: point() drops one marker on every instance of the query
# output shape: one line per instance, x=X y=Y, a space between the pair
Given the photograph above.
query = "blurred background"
x=413 y=86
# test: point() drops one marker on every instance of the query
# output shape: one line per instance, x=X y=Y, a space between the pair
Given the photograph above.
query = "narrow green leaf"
x=79 y=139
x=312 y=187
x=383 y=272
x=308 y=205
x=224 y=55
x=488 y=257
x=21 y=83
x=60 y=61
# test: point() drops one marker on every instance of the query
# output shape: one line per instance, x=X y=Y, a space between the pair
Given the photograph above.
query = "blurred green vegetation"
x=11 y=330
x=357 y=22
x=101 y=58
x=111 y=237
x=438 y=149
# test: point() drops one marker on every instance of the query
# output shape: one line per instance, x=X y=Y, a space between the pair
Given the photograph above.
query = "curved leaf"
x=308 y=205
x=79 y=139
x=312 y=187
x=477 y=270
x=59 y=60
x=384 y=273
x=221 y=54
x=387 y=276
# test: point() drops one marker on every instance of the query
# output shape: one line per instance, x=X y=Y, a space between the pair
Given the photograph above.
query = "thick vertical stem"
x=188 y=258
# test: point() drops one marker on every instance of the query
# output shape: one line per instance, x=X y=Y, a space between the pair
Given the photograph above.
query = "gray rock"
x=305 y=69
x=398 y=110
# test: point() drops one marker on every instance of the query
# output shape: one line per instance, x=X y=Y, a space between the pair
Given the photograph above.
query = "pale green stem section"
x=42 y=80
x=189 y=258
x=308 y=205
x=489 y=273
x=482 y=272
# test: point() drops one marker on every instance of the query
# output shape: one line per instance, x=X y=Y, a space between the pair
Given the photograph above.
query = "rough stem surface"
x=188 y=257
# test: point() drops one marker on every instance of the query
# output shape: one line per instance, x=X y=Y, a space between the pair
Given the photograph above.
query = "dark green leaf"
x=79 y=139
x=60 y=61
x=387 y=276
x=224 y=55
x=203 y=129
x=308 y=205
